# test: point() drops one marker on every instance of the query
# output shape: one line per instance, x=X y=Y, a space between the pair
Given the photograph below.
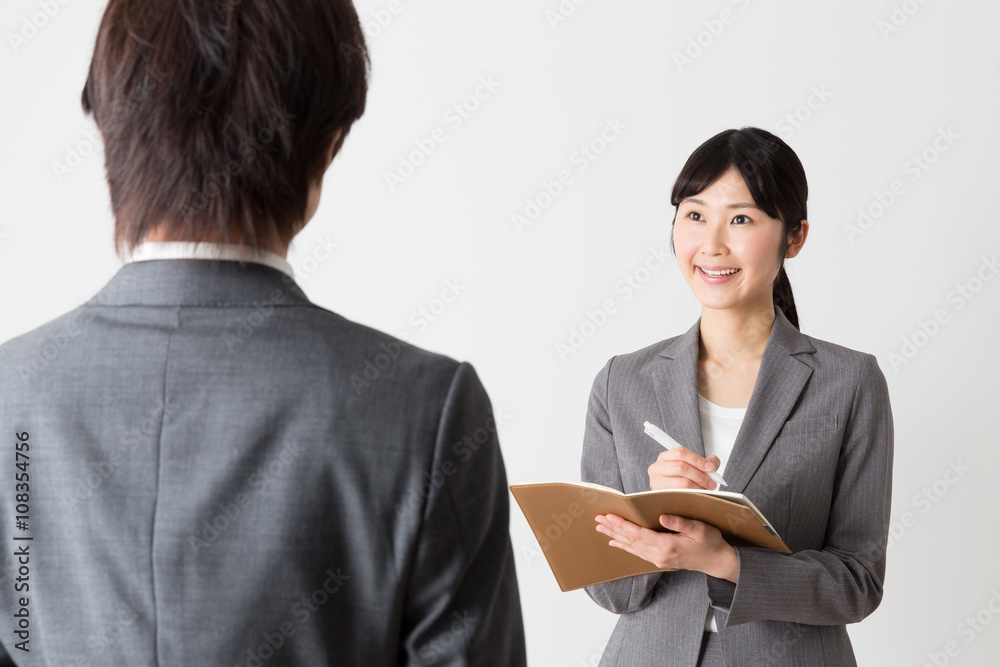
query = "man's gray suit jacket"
x=814 y=454
x=222 y=473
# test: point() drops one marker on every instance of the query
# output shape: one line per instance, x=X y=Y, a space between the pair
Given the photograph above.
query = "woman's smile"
x=717 y=275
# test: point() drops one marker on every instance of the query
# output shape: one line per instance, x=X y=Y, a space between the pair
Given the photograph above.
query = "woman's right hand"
x=680 y=468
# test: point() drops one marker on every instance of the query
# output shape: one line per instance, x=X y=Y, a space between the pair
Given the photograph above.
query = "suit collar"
x=198 y=282
x=781 y=378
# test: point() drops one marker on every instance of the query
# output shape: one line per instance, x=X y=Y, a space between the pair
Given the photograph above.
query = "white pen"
x=656 y=433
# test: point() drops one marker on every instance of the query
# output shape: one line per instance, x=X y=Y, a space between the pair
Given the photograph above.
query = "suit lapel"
x=780 y=381
x=676 y=383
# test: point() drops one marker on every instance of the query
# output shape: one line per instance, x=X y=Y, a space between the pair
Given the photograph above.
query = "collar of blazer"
x=781 y=379
x=199 y=282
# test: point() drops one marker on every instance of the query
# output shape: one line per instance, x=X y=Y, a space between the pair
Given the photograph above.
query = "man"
x=201 y=466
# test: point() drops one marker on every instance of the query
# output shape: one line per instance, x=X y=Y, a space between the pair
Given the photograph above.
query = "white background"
x=878 y=98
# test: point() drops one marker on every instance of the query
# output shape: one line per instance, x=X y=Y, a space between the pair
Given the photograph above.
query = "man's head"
x=219 y=118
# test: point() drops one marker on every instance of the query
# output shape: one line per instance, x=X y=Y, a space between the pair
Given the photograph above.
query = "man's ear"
x=333 y=145
x=796 y=241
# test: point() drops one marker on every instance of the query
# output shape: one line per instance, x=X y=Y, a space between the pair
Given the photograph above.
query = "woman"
x=801 y=426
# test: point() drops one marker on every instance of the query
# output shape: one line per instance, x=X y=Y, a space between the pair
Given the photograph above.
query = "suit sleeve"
x=842 y=582
x=462 y=605
x=599 y=465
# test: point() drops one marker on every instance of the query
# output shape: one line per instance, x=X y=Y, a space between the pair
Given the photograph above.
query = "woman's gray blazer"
x=814 y=454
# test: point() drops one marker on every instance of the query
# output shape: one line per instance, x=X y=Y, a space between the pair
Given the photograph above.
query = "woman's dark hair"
x=774 y=176
x=218 y=115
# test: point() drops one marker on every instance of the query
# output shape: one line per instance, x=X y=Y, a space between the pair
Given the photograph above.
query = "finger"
x=621 y=529
x=691 y=529
x=686 y=455
x=689 y=457
x=675 y=523
x=684 y=470
x=614 y=520
x=649 y=548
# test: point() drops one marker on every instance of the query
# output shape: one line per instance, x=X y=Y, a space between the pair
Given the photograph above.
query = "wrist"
x=727 y=565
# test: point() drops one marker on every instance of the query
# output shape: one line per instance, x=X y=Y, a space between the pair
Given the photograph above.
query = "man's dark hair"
x=217 y=116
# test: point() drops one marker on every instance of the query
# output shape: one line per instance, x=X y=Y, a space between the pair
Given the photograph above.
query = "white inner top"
x=719 y=426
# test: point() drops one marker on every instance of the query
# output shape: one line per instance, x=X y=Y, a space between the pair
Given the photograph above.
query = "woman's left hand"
x=694 y=545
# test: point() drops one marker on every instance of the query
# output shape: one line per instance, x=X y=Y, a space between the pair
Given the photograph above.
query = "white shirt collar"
x=189 y=250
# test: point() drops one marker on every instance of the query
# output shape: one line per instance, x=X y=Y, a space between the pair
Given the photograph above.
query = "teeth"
x=718 y=274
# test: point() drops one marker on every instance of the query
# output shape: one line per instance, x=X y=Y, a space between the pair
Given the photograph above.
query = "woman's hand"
x=694 y=545
x=680 y=468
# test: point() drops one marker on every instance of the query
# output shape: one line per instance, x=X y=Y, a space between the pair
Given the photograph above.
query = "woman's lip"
x=717 y=280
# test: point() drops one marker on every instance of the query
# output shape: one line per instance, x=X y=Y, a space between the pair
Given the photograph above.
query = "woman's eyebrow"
x=692 y=200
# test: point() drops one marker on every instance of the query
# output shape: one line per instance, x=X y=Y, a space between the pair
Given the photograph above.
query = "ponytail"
x=783 y=298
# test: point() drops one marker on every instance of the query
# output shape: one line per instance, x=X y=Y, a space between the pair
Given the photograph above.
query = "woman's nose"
x=713 y=241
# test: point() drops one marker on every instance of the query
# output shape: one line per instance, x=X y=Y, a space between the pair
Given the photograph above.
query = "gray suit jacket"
x=814 y=454
x=222 y=473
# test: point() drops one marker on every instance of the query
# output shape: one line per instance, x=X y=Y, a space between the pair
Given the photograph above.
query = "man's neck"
x=273 y=243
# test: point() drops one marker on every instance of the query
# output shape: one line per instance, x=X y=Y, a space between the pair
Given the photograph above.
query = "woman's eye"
x=695 y=215
x=741 y=220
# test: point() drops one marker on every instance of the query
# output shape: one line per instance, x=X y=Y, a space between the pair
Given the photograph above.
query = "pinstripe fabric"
x=814 y=453
x=711 y=651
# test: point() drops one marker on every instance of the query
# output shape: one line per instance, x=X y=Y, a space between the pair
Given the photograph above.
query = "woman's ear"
x=796 y=241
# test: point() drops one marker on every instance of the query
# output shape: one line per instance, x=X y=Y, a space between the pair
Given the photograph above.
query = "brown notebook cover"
x=561 y=515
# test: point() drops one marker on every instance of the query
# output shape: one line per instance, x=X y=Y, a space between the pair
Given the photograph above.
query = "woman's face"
x=727 y=248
